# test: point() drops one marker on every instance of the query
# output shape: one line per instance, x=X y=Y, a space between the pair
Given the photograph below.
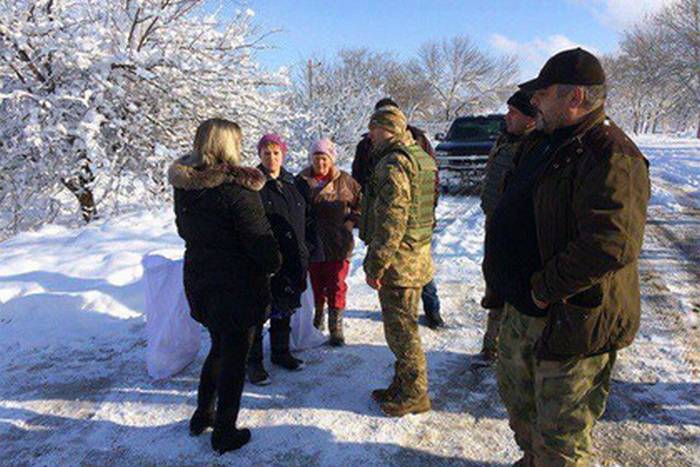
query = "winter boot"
x=200 y=421
x=335 y=326
x=386 y=395
x=319 y=317
x=279 y=343
x=399 y=407
x=255 y=369
x=229 y=440
x=257 y=374
x=434 y=319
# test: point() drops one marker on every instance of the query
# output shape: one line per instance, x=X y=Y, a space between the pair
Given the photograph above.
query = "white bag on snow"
x=173 y=337
x=304 y=335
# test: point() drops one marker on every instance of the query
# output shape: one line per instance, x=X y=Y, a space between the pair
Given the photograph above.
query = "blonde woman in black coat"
x=229 y=257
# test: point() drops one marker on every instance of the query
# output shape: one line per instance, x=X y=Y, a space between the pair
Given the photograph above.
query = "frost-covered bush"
x=97 y=97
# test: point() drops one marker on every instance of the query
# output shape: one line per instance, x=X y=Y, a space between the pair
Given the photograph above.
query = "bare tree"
x=679 y=25
x=462 y=78
x=334 y=98
x=654 y=81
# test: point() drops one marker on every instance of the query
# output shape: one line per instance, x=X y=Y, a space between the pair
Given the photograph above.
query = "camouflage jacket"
x=500 y=162
x=397 y=218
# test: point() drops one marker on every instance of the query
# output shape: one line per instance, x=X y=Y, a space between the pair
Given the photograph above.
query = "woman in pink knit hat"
x=335 y=202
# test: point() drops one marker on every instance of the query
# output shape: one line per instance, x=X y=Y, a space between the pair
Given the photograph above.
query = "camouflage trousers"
x=493 y=328
x=552 y=405
x=400 y=317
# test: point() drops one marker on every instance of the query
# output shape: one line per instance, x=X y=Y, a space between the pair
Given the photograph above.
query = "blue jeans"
x=429 y=296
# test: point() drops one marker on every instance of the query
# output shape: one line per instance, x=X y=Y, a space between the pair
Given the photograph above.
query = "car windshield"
x=475 y=130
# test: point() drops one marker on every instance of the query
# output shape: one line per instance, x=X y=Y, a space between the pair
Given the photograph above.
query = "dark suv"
x=462 y=153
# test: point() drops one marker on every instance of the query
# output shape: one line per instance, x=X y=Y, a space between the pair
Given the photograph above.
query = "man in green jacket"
x=563 y=247
x=397 y=224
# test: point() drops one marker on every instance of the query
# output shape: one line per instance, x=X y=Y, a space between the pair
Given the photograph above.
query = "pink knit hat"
x=323 y=146
x=274 y=139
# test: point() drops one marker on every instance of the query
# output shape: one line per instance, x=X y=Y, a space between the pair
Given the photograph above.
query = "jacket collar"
x=308 y=174
x=184 y=176
x=578 y=131
x=284 y=176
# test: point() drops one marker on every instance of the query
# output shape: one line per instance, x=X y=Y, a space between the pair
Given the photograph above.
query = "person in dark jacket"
x=230 y=252
x=566 y=237
x=335 y=200
x=520 y=121
x=288 y=213
x=362 y=167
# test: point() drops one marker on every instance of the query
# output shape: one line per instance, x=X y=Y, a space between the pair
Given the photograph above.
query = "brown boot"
x=386 y=395
x=319 y=317
x=402 y=406
x=335 y=326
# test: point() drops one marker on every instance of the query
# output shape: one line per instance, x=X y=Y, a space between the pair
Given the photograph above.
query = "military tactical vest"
x=421 y=215
x=422 y=211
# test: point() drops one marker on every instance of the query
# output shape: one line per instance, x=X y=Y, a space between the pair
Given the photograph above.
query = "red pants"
x=328 y=282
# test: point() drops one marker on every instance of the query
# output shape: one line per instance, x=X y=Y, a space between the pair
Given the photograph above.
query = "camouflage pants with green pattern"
x=400 y=317
x=552 y=405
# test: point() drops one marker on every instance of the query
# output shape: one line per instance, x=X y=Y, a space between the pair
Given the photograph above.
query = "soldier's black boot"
x=319 y=317
x=335 y=326
x=279 y=344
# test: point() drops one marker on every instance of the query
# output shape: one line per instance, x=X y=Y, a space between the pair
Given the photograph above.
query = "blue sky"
x=531 y=29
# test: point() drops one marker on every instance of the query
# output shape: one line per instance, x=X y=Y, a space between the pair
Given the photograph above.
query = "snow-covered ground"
x=74 y=388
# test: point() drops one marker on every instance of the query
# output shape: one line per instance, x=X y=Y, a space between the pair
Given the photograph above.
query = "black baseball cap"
x=575 y=66
x=521 y=101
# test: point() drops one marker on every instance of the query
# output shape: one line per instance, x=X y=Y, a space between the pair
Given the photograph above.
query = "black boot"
x=335 y=325
x=234 y=353
x=200 y=421
x=229 y=440
x=255 y=369
x=257 y=375
x=434 y=319
x=319 y=317
x=279 y=344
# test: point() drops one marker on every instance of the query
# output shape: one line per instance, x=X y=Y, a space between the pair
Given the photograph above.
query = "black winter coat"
x=230 y=249
x=289 y=215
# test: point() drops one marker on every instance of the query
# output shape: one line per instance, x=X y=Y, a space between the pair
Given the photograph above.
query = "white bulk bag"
x=172 y=335
x=304 y=334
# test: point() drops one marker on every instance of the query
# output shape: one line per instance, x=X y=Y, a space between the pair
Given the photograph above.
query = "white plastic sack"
x=304 y=334
x=172 y=335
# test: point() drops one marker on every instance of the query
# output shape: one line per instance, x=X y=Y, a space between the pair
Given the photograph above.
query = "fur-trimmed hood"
x=184 y=176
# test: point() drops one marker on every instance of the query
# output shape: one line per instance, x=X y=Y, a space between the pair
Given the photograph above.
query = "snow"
x=74 y=388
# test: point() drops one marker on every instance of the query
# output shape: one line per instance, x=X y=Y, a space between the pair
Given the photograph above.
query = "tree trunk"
x=697 y=135
x=79 y=185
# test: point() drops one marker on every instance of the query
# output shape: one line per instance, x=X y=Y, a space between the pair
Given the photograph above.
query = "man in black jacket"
x=362 y=166
x=520 y=121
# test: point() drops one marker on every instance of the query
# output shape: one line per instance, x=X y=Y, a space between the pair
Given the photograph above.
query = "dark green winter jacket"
x=590 y=209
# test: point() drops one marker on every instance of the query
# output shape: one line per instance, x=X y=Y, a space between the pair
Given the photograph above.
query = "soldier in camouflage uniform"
x=397 y=223
x=520 y=121
x=562 y=249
